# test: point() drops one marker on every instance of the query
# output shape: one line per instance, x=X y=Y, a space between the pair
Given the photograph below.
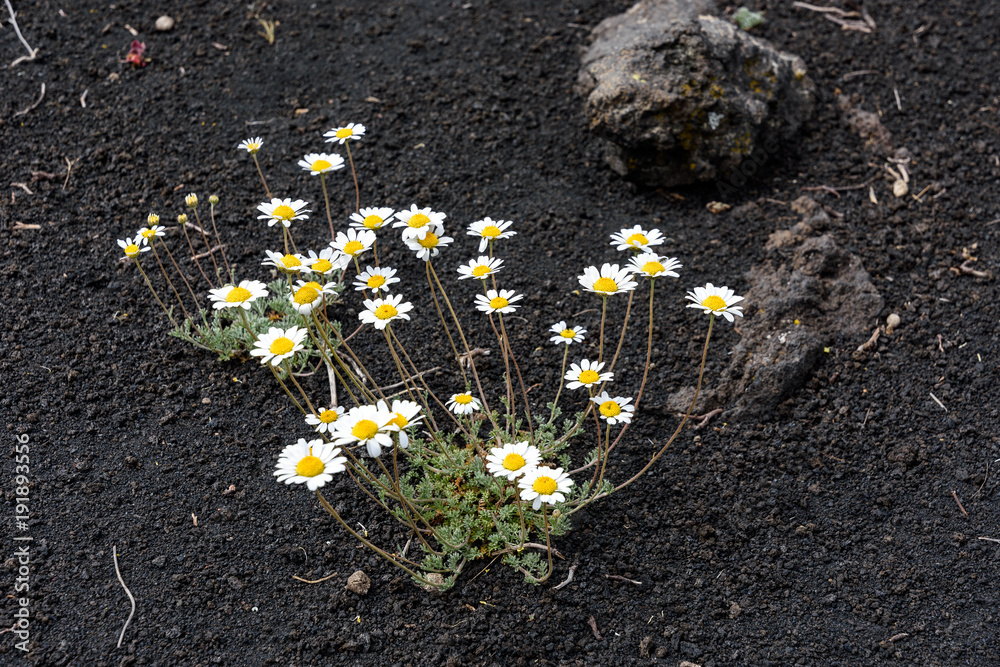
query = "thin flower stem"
x=208 y=246
x=407 y=506
x=194 y=256
x=169 y=282
x=288 y=369
x=399 y=364
x=266 y=189
x=607 y=455
x=548 y=544
x=357 y=190
x=506 y=375
x=628 y=310
x=222 y=250
x=326 y=198
x=520 y=379
x=155 y=295
x=701 y=374
x=597 y=460
x=333 y=354
x=444 y=323
x=649 y=346
x=417 y=376
x=358 y=362
x=465 y=345
x=562 y=382
x=277 y=377
x=604 y=311
x=380 y=552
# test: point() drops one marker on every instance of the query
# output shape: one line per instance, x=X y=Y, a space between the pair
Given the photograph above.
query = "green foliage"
x=747 y=19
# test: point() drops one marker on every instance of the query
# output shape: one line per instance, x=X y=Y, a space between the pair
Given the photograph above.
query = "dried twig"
x=989 y=539
x=314 y=581
x=705 y=418
x=618 y=577
x=69 y=170
x=114 y=554
x=938 y=401
x=209 y=252
x=37 y=102
x=569 y=577
x=22 y=186
x=466 y=359
x=965 y=269
x=83 y=98
x=21 y=225
x=955 y=496
x=411 y=378
x=864 y=347
x=593 y=628
x=32 y=53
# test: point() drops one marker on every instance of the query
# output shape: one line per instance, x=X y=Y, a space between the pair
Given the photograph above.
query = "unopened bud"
x=556 y=514
x=191 y=200
x=182 y=219
x=213 y=200
x=153 y=219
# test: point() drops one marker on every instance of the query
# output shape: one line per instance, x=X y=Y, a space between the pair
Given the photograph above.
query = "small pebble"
x=164 y=24
x=359 y=583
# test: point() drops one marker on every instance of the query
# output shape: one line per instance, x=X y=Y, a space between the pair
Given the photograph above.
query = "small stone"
x=644 y=647
x=206 y=401
x=734 y=610
x=359 y=583
x=900 y=188
x=160 y=561
x=436 y=581
x=661 y=652
x=164 y=24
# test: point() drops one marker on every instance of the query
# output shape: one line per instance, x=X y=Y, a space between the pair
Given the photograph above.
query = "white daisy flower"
x=636 y=239
x=463 y=404
x=609 y=280
x=371 y=218
x=498 y=302
x=325 y=418
x=429 y=246
x=320 y=163
x=354 y=242
x=716 y=301
x=305 y=297
x=375 y=279
x=149 y=233
x=544 y=485
x=283 y=211
x=614 y=410
x=326 y=262
x=284 y=263
x=237 y=296
x=481 y=268
x=191 y=200
x=364 y=425
x=586 y=374
x=490 y=230
x=132 y=247
x=566 y=335
x=251 y=145
x=416 y=222
x=651 y=265
x=512 y=460
x=342 y=134
x=406 y=414
x=312 y=463
x=380 y=312
x=278 y=344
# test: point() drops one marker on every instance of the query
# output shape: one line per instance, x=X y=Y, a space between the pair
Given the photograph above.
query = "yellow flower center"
x=236 y=295
x=418 y=220
x=328 y=416
x=281 y=346
x=131 y=249
x=148 y=233
x=481 y=271
x=652 y=268
x=372 y=222
x=589 y=377
x=309 y=466
x=386 y=311
x=353 y=248
x=399 y=420
x=610 y=409
x=491 y=231
x=498 y=302
x=290 y=261
x=345 y=133
x=306 y=294
x=567 y=333
x=714 y=302
x=322 y=265
x=513 y=461
x=364 y=429
x=463 y=399
x=284 y=212
x=544 y=486
x=376 y=281
x=637 y=240
x=429 y=241
x=605 y=285
x=320 y=165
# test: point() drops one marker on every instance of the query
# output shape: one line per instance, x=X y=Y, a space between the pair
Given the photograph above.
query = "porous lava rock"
x=681 y=96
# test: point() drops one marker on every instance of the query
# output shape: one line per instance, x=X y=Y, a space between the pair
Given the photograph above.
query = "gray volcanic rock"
x=681 y=96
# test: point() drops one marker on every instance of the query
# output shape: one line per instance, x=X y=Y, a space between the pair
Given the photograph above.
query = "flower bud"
x=182 y=219
x=213 y=200
x=556 y=514
x=191 y=200
x=152 y=219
